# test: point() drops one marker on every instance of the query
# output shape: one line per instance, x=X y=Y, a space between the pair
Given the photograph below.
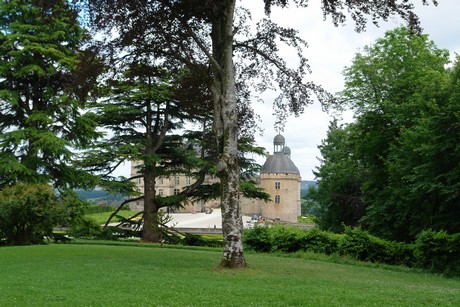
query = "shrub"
x=197 y=240
x=318 y=241
x=259 y=239
x=286 y=239
x=28 y=212
x=361 y=245
x=355 y=243
x=290 y=239
x=438 y=252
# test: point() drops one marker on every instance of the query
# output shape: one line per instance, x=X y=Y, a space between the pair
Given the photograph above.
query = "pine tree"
x=42 y=92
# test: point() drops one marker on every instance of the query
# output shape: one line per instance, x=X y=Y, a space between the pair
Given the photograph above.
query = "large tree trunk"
x=150 y=231
x=225 y=126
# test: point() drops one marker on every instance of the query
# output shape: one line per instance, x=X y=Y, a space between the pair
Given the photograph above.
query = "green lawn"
x=101 y=218
x=148 y=275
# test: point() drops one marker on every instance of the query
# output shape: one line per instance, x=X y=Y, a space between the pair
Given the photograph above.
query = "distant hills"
x=101 y=197
x=305 y=184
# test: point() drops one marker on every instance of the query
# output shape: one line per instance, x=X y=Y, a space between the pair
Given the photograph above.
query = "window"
x=160 y=180
x=176 y=180
x=277 y=199
x=160 y=192
x=277 y=185
x=176 y=191
x=138 y=180
x=188 y=180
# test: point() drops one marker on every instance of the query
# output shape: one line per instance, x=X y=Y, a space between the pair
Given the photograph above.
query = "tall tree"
x=42 y=91
x=390 y=86
x=141 y=110
x=209 y=35
x=339 y=180
x=401 y=141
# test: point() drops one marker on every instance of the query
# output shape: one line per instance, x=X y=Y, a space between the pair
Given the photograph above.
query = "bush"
x=286 y=239
x=197 y=240
x=290 y=239
x=438 y=252
x=361 y=245
x=435 y=251
x=318 y=241
x=28 y=212
x=259 y=239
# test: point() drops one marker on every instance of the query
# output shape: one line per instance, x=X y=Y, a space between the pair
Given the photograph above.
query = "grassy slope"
x=103 y=275
x=101 y=218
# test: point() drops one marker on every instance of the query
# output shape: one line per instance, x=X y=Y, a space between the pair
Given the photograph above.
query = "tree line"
x=395 y=169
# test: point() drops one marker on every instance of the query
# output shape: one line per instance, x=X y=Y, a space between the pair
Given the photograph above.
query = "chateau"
x=279 y=177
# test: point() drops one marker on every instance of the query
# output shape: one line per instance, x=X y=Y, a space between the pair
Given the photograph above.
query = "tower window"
x=277 y=199
x=277 y=185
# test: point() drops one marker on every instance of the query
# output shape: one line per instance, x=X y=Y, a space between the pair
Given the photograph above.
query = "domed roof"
x=279 y=163
x=286 y=150
x=279 y=139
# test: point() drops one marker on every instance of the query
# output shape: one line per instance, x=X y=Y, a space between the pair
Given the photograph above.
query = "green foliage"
x=360 y=245
x=198 y=240
x=339 y=188
x=438 y=251
x=259 y=239
x=434 y=251
x=28 y=212
x=318 y=241
x=290 y=239
x=42 y=91
x=85 y=228
x=395 y=170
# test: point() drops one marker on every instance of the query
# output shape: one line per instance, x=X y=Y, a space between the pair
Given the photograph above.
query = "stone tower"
x=281 y=179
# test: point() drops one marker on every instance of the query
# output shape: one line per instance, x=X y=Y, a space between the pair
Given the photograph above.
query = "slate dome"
x=286 y=150
x=279 y=139
x=279 y=163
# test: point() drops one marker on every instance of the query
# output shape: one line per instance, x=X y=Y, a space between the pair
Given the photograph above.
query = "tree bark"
x=225 y=126
x=150 y=231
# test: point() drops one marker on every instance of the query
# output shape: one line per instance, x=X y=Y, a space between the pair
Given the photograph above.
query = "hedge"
x=434 y=251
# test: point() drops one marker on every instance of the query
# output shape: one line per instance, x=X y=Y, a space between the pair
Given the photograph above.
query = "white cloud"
x=330 y=50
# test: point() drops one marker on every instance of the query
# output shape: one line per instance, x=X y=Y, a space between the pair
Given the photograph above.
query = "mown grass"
x=102 y=217
x=148 y=275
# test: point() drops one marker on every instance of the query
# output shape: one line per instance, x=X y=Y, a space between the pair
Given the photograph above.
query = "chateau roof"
x=279 y=163
x=279 y=139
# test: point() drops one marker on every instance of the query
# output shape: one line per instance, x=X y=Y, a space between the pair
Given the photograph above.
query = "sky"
x=330 y=50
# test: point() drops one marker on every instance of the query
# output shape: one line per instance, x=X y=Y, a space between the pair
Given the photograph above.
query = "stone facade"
x=279 y=177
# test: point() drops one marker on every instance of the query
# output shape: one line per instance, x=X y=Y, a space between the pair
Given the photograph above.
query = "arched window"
x=277 y=199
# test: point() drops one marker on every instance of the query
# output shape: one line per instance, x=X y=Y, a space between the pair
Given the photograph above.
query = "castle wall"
x=286 y=206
